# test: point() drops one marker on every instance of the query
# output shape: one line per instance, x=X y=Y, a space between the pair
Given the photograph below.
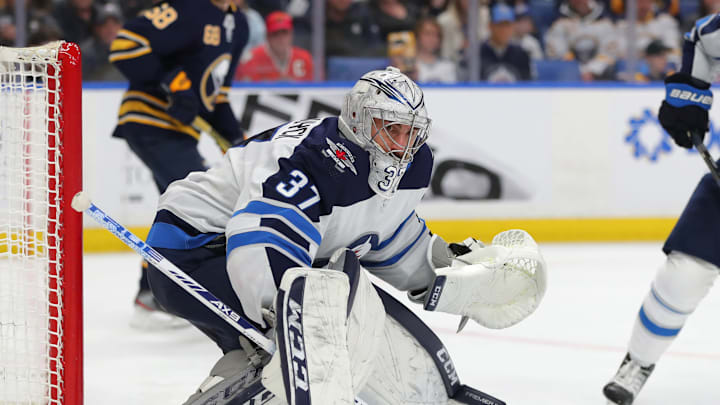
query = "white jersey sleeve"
x=701 y=49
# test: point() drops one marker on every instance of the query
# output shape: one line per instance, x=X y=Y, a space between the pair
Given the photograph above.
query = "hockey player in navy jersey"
x=276 y=230
x=179 y=57
x=693 y=247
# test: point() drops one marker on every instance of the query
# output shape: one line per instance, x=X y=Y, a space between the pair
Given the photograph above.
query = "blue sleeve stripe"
x=290 y=214
x=262 y=237
x=668 y=307
x=281 y=227
x=707 y=25
x=397 y=257
x=397 y=231
x=654 y=328
x=169 y=236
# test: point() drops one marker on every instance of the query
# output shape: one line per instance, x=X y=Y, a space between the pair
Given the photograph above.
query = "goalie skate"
x=627 y=383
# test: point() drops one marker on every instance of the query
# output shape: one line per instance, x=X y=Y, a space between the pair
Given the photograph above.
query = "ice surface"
x=561 y=355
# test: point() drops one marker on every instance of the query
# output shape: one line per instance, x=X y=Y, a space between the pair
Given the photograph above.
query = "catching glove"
x=497 y=286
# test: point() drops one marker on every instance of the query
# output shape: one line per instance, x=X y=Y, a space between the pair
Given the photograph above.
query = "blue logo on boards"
x=650 y=141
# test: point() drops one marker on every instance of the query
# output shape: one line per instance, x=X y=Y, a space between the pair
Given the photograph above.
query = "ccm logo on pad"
x=297 y=345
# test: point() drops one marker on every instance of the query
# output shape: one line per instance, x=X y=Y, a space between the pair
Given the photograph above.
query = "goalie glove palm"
x=496 y=286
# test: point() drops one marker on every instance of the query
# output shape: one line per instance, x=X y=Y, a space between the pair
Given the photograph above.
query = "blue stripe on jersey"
x=280 y=226
x=704 y=27
x=170 y=218
x=668 y=307
x=264 y=208
x=169 y=236
x=654 y=328
x=397 y=231
x=257 y=237
x=397 y=257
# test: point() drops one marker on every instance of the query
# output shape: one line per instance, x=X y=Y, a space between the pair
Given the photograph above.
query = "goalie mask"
x=384 y=113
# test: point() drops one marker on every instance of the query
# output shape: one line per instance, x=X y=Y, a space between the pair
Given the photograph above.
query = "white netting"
x=30 y=313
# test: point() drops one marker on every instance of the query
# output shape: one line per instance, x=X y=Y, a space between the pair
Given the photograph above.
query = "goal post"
x=41 y=340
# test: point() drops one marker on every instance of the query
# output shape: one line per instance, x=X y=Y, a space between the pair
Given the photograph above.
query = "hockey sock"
x=679 y=286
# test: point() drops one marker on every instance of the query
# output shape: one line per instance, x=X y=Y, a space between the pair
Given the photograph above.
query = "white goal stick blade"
x=81 y=202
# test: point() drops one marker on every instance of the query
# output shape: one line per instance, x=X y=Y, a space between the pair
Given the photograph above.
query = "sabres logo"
x=342 y=156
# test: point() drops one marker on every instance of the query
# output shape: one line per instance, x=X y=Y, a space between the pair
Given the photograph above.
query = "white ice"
x=561 y=355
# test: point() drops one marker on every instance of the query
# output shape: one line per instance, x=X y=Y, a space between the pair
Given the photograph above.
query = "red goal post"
x=41 y=341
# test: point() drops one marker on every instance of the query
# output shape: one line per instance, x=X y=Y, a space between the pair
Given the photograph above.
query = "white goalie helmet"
x=384 y=113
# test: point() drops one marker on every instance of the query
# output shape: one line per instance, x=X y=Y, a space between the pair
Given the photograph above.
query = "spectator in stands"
x=671 y=7
x=96 y=50
x=131 y=8
x=277 y=59
x=431 y=68
x=524 y=32
x=256 y=24
x=8 y=30
x=42 y=30
x=655 y=65
x=651 y=25
x=454 y=23
x=585 y=33
x=41 y=26
x=704 y=7
x=76 y=18
x=708 y=7
x=501 y=59
x=434 y=7
x=351 y=31
x=394 y=15
x=265 y=7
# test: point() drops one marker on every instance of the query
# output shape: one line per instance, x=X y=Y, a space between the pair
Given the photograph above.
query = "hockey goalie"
x=285 y=232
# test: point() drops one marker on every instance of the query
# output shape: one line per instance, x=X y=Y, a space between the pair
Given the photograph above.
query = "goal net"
x=40 y=236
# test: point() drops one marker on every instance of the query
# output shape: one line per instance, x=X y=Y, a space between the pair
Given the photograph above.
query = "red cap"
x=278 y=20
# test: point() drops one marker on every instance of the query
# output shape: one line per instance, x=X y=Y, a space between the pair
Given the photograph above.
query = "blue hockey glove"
x=685 y=108
x=184 y=105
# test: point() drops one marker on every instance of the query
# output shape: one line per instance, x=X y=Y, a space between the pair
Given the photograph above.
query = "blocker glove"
x=685 y=108
x=184 y=105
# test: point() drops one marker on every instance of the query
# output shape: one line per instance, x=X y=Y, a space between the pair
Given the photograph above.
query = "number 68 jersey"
x=291 y=196
x=196 y=35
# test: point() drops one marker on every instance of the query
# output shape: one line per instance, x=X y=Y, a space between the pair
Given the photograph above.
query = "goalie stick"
x=244 y=388
x=82 y=203
x=700 y=146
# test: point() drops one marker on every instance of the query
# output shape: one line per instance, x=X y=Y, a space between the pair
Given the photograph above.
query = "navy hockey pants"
x=206 y=265
x=697 y=231
x=168 y=154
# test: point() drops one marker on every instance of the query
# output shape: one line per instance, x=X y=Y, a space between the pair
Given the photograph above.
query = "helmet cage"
x=397 y=134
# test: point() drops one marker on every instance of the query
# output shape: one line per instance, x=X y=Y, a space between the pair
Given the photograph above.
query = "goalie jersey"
x=195 y=35
x=291 y=196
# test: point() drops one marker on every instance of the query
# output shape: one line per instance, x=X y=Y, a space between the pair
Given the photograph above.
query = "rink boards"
x=587 y=163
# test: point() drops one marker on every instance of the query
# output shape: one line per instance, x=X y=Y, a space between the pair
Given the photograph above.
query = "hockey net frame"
x=41 y=338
